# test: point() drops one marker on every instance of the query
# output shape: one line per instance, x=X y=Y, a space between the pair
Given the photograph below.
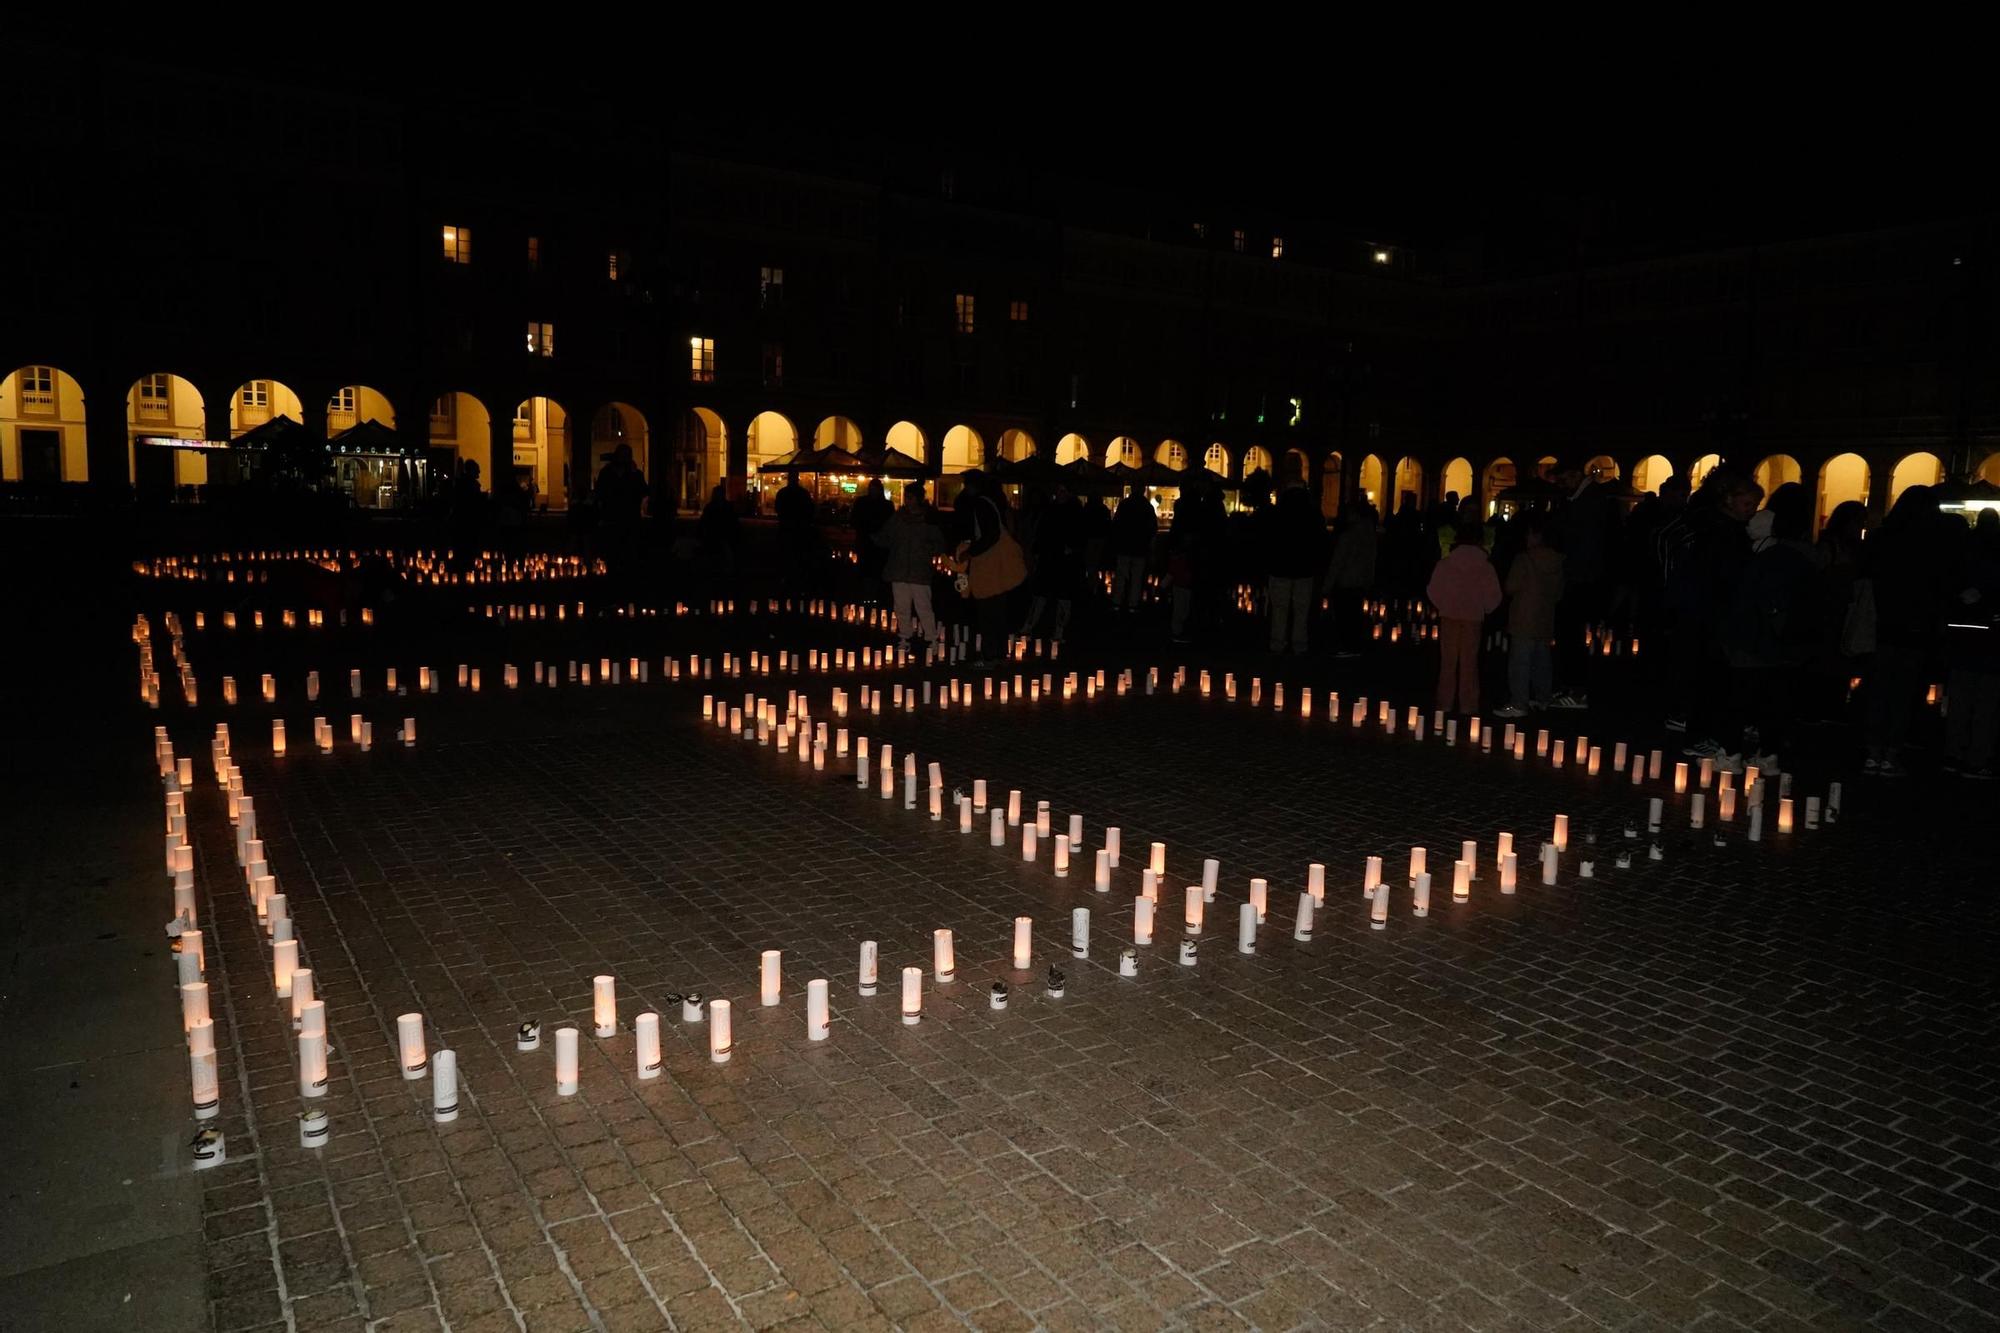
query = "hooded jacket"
x=1464 y=586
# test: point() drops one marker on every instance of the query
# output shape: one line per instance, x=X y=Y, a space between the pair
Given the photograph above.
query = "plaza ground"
x=1745 y=1086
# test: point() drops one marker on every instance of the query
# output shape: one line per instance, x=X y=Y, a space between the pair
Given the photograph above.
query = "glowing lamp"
x=645 y=1045
x=1680 y=778
x=410 y=1045
x=566 y=1043
x=1024 y=928
x=1378 y=908
x=913 y=995
x=1062 y=853
x=1418 y=857
x=284 y=962
x=278 y=737
x=1784 y=814
x=1142 y=921
x=1193 y=909
x=1562 y=833
x=770 y=976
x=1158 y=860
x=1509 y=868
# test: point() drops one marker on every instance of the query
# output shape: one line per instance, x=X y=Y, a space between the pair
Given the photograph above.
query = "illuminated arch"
x=1989 y=468
x=1842 y=478
x=1775 y=471
x=1409 y=483
x=1651 y=473
x=838 y=431
x=42 y=426
x=771 y=436
x=1704 y=465
x=1332 y=479
x=460 y=423
x=1257 y=459
x=1072 y=447
x=1918 y=469
x=962 y=449
x=1015 y=445
x=702 y=458
x=1602 y=468
x=905 y=438
x=164 y=404
x=1458 y=478
x=1216 y=459
x=1371 y=481
x=1171 y=453
x=1545 y=467
x=1124 y=450
x=1498 y=476
x=258 y=401
x=356 y=403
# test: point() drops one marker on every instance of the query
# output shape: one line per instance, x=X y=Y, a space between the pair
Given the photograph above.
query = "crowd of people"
x=1752 y=625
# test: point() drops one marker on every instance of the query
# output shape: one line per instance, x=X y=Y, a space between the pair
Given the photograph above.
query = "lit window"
x=774 y=364
x=770 y=286
x=1173 y=455
x=701 y=360
x=257 y=395
x=523 y=416
x=1216 y=460
x=342 y=403
x=964 y=305
x=38 y=390
x=444 y=409
x=534 y=252
x=541 y=338
x=458 y=245
x=1236 y=240
x=611 y=266
x=156 y=396
x=1277 y=247
x=1017 y=311
x=1381 y=256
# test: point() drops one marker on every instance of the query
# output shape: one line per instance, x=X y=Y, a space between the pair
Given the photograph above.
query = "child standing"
x=1465 y=590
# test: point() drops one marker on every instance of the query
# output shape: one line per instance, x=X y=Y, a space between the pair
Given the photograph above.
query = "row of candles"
x=423 y=566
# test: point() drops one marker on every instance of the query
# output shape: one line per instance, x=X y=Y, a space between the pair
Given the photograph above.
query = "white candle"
x=1655 y=811
x=1076 y=832
x=1193 y=910
x=1417 y=860
x=1027 y=842
x=866 y=977
x=1111 y=845
x=194 y=1004
x=1784 y=814
x=1260 y=898
x=566 y=1040
x=1142 y=921
x=1562 y=833
x=1508 y=870
x=1246 y=928
x=1101 y=872
x=1062 y=855
x=312 y=1064
x=278 y=737
x=770 y=979
x=979 y=794
x=203 y=1085
x=646 y=1044
x=1042 y=818
x=1158 y=859
x=997 y=835
x=1211 y=875
x=1315 y=883
x=1378 y=910
x=964 y=815
x=1371 y=876
x=1023 y=942
x=1680 y=778
x=284 y=961
x=944 y=966
x=302 y=992
x=721 y=1037
x=1013 y=807
x=1079 y=932
x=1697 y=810
x=1549 y=863
x=444 y=1087
x=1302 y=927
x=913 y=991
x=1420 y=897
x=818 y=1010
x=410 y=1042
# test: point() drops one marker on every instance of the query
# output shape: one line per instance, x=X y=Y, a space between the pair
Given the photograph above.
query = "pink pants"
x=1458 y=664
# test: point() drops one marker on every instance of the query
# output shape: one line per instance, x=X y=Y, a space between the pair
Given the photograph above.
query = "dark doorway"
x=41 y=455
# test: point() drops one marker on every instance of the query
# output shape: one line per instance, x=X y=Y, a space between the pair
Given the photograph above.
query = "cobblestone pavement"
x=1742 y=1087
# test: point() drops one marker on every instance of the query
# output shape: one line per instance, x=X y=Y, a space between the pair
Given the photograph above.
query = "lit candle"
x=913 y=988
x=194 y=1004
x=1461 y=881
x=1013 y=807
x=770 y=979
x=943 y=965
x=1508 y=870
x=646 y=1044
x=1027 y=842
x=998 y=834
x=1417 y=861
x=1062 y=855
x=866 y=977
x=566 y=1042
x=1260 y=898
x=1371 y=876
x=1101 y=873
x=1042 y=819
x=721 y=1038
x=410 y=1042
x=1548 y=863
x=1111 y=845
x=1158 y=860
x=1315 y=882
x=278 y=737
x=1142 y=920
x=1420 y=898
x=1193 y=910
x=1784 y=814
x=964 y=815
x=284 y=962
x=1562 y=833
x=1378 y=910
x=1023 y=942
x=1680 y=778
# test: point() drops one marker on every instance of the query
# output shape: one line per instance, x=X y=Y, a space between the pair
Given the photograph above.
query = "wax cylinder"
x=566 y=1042
x=1549 y=863
x=1024 y=928
x=1158 y=859
x=1062 y=856
x=944 y=963
x=277 y=907
x=866 y=971
x=818 y=1010
x=646 y=1044
x=1655 y=809
x=204 y=1086
x=979 y=794
x=913 y=995
x=1260 y=898
x=997 y=834
x=1302 y=925
x=1371 y=876
x=410 y=1044
x=444 y=1087
x=1509 y=868
x=302 y=991
x=1468 y=852
x=1013 y=807
x=1101 y=872
x=1211 y=875
x=194 y=1005
x=1562 y=833
x=184 y=903
x=964 y=815
x=770 y=976
x=1246 y=928
x=284 y=962
x=191 y=960
x=1042 y=818
x=1028 y=842
x=1111 y=836
x=1076 y=830
x=1378 y=909
x=1784 y=814
x=1697 y=810
x=1315 y=884
x=1079 y=932
x=1420 y=899
x=1194 y=909
x=312 y=1064
x=1149 y=885
x=604 y=1005
x=1142 y=921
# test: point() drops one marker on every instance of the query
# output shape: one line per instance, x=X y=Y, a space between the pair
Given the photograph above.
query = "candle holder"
x=410 y=1046
x=566 y=1061
x=721 y=1035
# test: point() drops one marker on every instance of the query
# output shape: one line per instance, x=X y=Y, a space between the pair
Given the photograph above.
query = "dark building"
x=527 y=286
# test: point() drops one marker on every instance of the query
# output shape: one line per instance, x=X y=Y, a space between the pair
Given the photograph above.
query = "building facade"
x=525 y=291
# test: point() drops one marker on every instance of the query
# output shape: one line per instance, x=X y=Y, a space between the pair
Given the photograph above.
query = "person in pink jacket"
x=1465 y=590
